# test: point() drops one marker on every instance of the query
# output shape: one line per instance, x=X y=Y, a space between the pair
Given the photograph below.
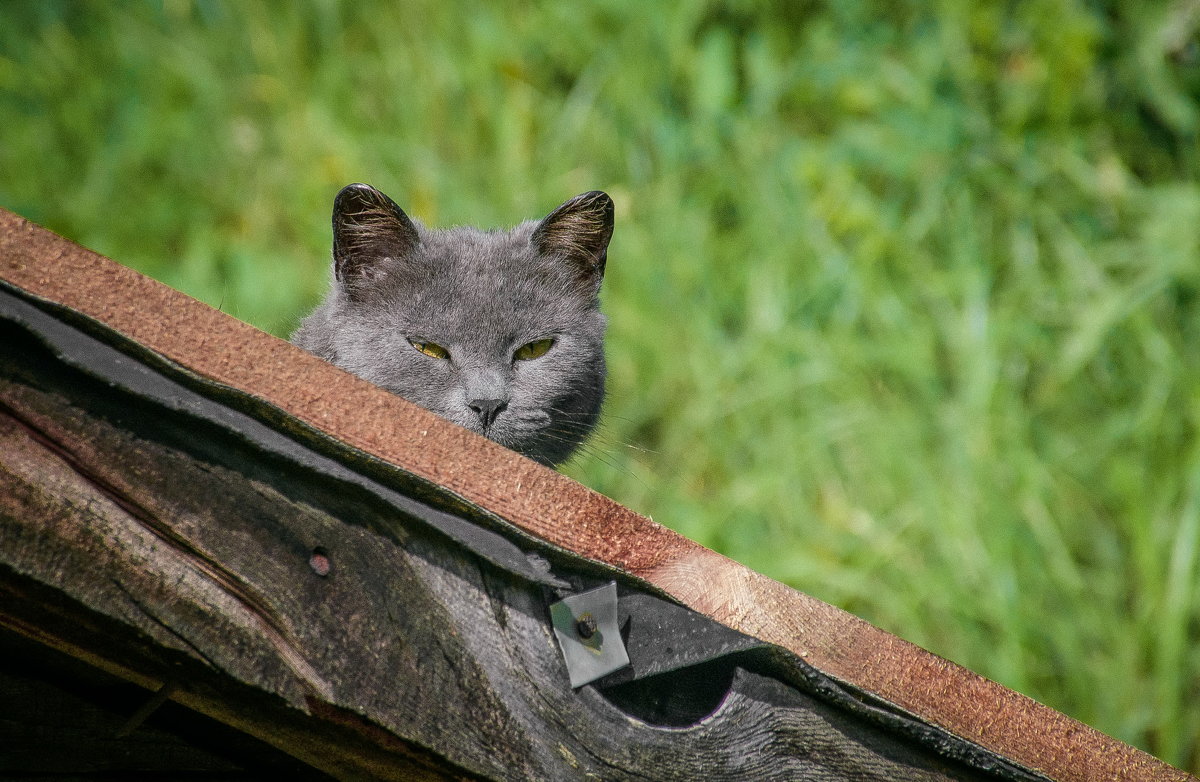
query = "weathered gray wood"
x=129 y=579
x=412 y=658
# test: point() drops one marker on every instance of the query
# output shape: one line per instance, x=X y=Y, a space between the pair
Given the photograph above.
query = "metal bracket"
x=586 y=627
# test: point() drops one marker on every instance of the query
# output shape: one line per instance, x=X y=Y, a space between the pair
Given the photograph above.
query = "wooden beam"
x=154 y=533
x=450 y=463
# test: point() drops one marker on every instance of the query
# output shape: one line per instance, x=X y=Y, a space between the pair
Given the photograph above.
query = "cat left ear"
x=369 y=232
x=579 y=231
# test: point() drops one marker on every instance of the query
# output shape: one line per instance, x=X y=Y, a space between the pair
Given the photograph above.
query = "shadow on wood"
x=188 y=503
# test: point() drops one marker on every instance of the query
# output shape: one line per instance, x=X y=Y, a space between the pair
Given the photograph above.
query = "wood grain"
x=560 y=511
x=408 y=658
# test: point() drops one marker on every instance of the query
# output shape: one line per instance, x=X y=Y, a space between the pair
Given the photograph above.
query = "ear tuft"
x=579 y=231
x=369 y=230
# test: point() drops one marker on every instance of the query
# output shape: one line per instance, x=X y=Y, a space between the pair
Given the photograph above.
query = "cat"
x=498 y=331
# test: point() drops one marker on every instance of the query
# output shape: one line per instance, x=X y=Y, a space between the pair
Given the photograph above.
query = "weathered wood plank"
x=123 y=578
x=180 y=569
x=561 y=512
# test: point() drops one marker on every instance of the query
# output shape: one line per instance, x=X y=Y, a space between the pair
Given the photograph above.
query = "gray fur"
x=481 y=295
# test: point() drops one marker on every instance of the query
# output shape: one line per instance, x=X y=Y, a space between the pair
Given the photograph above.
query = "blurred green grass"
x=904 y=297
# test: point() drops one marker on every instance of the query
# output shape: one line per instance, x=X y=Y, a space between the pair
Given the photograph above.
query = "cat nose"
x=487 y=409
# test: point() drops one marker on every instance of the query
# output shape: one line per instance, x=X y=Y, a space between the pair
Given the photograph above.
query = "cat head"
x=497 y=331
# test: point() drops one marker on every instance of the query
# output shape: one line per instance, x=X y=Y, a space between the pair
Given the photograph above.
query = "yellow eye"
x=430 y=349
x=533 y=350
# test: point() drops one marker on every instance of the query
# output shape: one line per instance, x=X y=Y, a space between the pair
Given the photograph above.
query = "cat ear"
x=579 y=231
x=369 y=231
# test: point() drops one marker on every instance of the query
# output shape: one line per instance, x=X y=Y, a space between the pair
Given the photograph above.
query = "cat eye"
x=430 y=349
x=533 y=350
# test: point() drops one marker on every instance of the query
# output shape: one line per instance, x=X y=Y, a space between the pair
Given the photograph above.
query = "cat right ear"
x=579 y=231
x=369 y=233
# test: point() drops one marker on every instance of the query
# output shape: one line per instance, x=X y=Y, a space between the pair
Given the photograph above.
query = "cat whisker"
x=585 y=426
x=598 y=447
x=598 y=433
x=590 y=452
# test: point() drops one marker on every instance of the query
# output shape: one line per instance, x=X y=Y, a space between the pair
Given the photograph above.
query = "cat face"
x=497 y=331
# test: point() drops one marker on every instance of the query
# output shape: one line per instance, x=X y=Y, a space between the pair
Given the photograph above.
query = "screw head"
x=586 y=626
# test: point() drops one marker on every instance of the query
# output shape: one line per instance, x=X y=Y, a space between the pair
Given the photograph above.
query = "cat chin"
x=523 y=444
x=511 y=438
x=523 y=431
x=530 y=444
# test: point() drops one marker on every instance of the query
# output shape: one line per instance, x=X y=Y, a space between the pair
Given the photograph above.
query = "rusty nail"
x=319 y=562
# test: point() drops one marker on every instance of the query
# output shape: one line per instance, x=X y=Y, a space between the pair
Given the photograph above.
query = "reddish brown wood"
x=561 y=511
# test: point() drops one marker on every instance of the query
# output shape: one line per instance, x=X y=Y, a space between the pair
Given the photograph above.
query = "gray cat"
x=498 y=331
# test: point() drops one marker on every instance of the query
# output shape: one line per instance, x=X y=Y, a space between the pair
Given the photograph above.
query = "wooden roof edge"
x=559 y=510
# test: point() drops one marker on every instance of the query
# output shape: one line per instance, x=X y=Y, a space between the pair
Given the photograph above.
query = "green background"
x=904 y=296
